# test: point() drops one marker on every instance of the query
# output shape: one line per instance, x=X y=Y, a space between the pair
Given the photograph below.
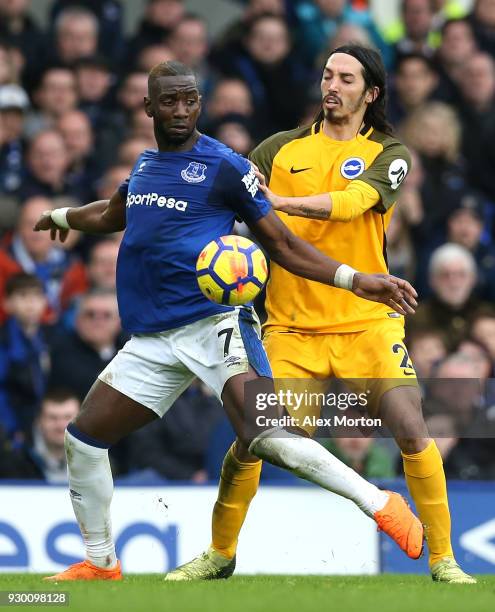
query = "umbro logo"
x=294 y=171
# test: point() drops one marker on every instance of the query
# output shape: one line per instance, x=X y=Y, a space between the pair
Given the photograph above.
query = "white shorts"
x=154 y=369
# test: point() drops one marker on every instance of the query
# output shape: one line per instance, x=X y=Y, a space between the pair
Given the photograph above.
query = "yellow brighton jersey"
x=304 y=162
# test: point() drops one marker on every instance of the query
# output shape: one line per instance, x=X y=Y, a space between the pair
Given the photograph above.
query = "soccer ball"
x=231 y=270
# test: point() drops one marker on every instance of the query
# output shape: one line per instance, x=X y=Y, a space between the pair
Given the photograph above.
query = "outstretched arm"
x=300 y=258
x=344 y=205
x=101 y=217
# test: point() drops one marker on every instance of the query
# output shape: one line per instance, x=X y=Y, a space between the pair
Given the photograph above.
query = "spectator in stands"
x=141 y=127
x=110 y=20
x=95 y=85
x=452 y=276
x=24 y=359
x=130 y=96
x=229 y=96
x=9 y=71
x=94 y=81
x=465 y=227
x=235 y=131
x=83 y=170
x=102 y=264
x=111 y=181
x=47 y=165
x=45 y=458
x=78 y=357
x=188 y=42
x=230 y=42
x=99 y=273
x=483 y=20
x=277 y=79
x=457 y=456
x=133 y=90
x=35 y=253
x=55 y=95
x=463 y=396
x=131 y=149
x=479 y=356
x=434 y=132
x=457 y=390
x=363 y=455
x=152 y=55
x=477 y=113
x=483 y=331
x=14 y=102
x=458 y=45
x=19 y=29
x=159 y=19
x=414 y=83
x=477 y=82
x=76 y=30
x=427 y=348
x=175 y=446
x=417 y=37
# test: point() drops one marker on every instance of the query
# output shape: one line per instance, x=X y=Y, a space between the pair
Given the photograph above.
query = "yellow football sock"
x=426 y=483
x=238 y=485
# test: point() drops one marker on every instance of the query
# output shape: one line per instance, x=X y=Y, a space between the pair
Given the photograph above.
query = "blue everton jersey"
x=175 y=204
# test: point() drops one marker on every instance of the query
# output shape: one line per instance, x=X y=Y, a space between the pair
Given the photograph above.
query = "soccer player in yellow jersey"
x=335 y=183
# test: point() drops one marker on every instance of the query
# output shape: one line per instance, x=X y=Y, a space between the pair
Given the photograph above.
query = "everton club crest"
x=194 y=173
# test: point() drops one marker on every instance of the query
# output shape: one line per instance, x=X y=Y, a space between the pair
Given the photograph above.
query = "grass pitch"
x=385 y=593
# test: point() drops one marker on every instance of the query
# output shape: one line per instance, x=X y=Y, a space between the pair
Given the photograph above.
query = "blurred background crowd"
x=72 y=126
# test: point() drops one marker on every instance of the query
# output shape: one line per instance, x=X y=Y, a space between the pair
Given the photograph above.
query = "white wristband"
x=344 y=276
x=59 y=217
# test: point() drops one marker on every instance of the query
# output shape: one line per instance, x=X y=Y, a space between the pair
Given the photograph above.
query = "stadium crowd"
x=72 y=126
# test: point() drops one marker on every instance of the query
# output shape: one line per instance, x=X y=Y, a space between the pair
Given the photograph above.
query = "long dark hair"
x=374 y=76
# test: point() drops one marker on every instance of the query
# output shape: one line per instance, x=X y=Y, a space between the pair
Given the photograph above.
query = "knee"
x=278 y=450
x=412 y=446
x=241 y=451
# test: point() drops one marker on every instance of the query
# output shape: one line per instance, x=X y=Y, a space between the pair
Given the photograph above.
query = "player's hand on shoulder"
x=45 y=223
x=275 y=200
x=387 y=289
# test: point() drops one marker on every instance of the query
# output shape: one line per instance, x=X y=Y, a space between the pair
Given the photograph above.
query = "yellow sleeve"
x=354 y=200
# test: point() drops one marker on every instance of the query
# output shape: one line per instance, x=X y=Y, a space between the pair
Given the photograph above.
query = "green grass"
x=386 y=593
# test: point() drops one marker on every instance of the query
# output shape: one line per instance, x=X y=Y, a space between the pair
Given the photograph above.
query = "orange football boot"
x=399 y=522
x=85 y=570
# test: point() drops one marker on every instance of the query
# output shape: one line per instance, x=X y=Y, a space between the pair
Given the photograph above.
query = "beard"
x=343 y=113
x=335 y=116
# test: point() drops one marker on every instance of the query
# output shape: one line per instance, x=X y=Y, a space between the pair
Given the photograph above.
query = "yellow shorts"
x=375 y=359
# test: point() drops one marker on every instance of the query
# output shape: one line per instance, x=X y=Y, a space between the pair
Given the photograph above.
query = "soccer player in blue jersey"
x=177 y=199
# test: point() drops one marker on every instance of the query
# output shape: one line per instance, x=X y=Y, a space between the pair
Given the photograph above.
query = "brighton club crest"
x=194 y=173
